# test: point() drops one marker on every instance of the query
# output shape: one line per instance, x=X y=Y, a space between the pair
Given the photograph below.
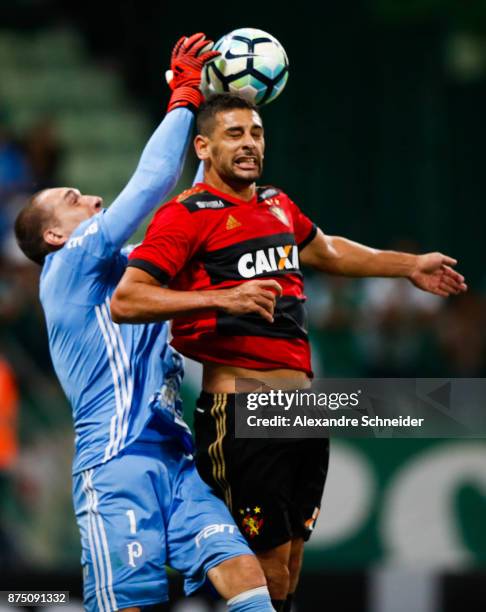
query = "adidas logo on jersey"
x=231 y=223
x=272 y=259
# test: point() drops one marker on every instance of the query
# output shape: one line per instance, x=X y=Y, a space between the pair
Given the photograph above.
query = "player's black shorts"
x=273 y=487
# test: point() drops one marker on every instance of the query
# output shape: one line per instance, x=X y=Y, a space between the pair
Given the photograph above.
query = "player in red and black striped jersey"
x=223 y=260
x=207 y=239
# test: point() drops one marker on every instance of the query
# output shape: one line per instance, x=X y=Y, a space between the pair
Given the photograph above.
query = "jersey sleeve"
x=156 y=175
x=171 y=240
x=304 y=229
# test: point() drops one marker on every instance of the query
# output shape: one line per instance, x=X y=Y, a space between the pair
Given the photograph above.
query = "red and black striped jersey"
x=206 y=239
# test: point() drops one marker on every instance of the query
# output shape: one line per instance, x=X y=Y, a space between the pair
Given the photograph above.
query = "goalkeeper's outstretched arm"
x=157 y=173
x=162 y=160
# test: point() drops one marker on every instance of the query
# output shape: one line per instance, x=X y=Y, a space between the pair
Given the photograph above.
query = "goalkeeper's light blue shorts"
x=140 y=511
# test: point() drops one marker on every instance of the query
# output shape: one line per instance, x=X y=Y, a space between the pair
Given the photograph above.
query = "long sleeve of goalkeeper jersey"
x=157 y=173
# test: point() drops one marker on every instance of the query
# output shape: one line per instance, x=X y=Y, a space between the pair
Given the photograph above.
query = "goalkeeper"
x=139 y=501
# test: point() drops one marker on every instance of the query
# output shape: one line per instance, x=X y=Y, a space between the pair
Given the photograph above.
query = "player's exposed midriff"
x=219 y=378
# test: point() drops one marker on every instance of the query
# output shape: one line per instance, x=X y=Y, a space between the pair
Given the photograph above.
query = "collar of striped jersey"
x=226 y=196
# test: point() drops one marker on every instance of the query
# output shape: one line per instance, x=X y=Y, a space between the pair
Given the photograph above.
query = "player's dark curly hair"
x=30 y=224
x=217 y=103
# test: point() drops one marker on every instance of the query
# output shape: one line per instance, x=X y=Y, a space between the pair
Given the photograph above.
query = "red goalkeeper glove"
x=184 y=77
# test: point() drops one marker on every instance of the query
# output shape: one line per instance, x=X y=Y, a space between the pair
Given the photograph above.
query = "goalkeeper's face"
x=67 y=208
x=235 y=146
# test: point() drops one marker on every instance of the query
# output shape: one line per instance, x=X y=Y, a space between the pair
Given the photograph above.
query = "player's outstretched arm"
x=431 y=272
x=162 y=160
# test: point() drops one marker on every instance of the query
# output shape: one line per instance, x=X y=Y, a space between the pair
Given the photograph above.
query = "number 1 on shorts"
x=133 y=522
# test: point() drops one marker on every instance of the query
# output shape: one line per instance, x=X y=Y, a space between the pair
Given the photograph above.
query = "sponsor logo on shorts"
x=271 y=259
x=211 y=530
x=252 y=521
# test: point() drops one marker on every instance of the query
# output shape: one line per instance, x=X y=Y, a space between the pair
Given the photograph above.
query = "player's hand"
x=184 y=77
x=258 y=296
x=433 y=273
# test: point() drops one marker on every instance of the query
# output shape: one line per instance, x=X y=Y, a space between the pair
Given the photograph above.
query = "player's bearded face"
x=236 y=146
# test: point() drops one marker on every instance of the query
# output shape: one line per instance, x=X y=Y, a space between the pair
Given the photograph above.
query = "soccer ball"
x=252 y=64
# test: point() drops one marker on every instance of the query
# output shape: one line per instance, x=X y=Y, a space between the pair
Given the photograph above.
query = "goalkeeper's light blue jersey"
x=118 y=378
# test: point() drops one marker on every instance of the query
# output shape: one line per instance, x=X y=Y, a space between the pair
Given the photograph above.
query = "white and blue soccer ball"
x=252 y=64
